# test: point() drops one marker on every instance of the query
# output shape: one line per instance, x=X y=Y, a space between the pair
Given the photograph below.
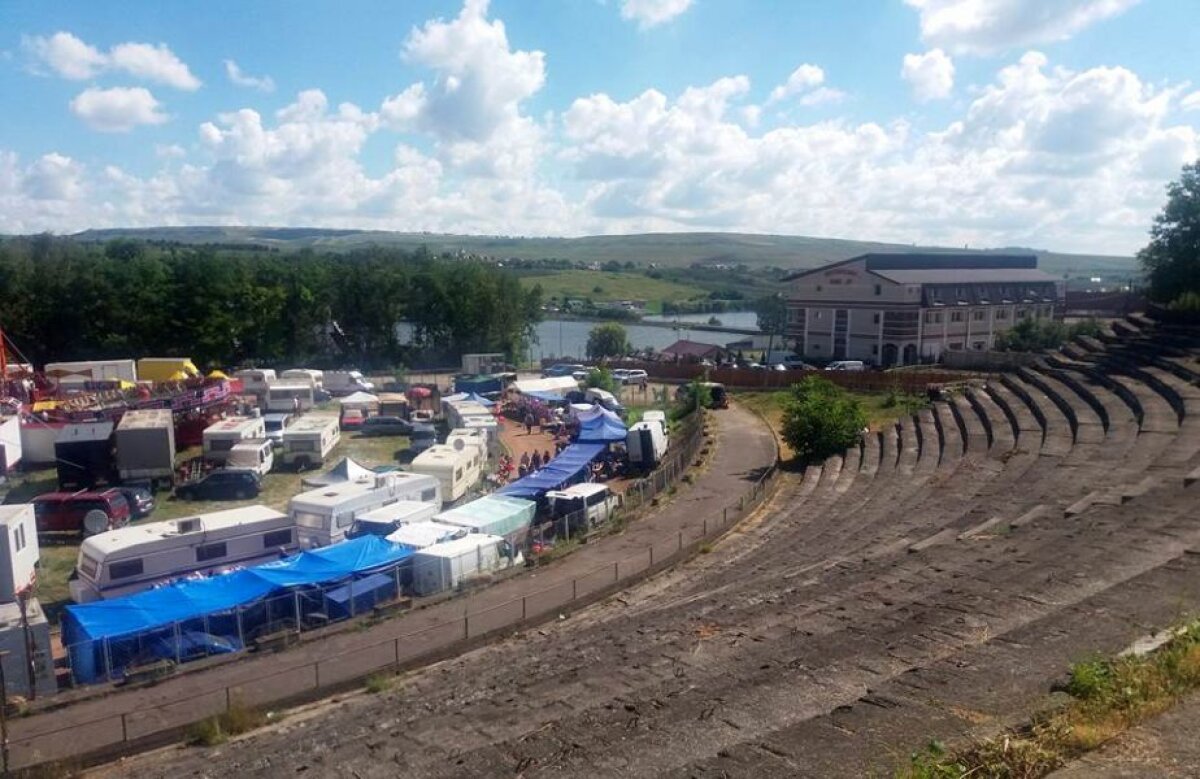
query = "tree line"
x=373 y=307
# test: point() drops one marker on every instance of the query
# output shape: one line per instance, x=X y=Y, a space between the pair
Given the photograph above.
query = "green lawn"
x=603 y=286
x=278 y=487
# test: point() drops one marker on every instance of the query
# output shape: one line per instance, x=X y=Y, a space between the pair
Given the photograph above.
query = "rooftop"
x=930 y=261
x=692 y=349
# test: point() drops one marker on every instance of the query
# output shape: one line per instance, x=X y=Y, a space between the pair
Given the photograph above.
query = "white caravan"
x=325 y=515
x=309 y=376
x=444 y=566
x=458 y=411
x=597 y=502
x=289 y=396
x=309 y=440
x=221 y=436
x=386 y=520
x=137 y=557
x=458 y=469
x=73 y=375
x=19 y=551
x=255 y=381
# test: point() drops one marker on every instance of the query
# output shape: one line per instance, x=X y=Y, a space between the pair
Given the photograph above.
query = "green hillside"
x=664 y=249
x=603 y=286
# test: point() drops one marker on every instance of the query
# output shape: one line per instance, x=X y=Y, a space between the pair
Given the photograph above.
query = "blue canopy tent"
x=569 y=467
x=602 y=429
x=110 y=634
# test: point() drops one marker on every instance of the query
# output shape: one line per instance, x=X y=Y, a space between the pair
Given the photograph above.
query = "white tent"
x=346 y=470
x=559 y=385
x=359 y=399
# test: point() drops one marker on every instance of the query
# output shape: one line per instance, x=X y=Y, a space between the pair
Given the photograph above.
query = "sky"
x=1051 y=124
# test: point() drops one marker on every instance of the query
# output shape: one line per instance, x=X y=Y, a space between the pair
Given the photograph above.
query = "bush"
x=821 y=419
x=602 y=378
x=1188 y=301
x=1033 y=335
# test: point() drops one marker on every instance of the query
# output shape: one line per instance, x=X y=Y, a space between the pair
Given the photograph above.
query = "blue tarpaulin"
x=545 y=396
x=565 y=469
x=86 y=628
x=602 y=429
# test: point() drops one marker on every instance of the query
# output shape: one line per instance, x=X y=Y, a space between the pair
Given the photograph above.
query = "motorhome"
x=346 y=382
x=458 y=469
x=490 y=427
x=138 y=557
x=646 y=443
x=446 y=565
x=257 y=454
x=458 y=411
x=289 y=396
x=470 y=436
x=325 y=515
x=592 y=502
x=221 y=436
x=309 y=441
x=309 y=376
x=387 y=519
x=166 y=369
x=74 y=375
x=255 y=381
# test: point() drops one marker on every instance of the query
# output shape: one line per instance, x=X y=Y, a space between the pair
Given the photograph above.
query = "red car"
x=85 y=513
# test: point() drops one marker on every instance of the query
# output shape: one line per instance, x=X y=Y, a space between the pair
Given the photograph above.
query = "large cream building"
x=899 y=309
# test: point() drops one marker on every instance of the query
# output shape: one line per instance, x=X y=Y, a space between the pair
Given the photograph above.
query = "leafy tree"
x=1172 y=259
x=1033 y=335
x=821 y=419
x=602 y=378
x=772 y=314
x=607 y=340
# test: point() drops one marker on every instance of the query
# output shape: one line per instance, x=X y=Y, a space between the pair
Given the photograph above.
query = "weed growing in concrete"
x=217 y=730
x=381 y=682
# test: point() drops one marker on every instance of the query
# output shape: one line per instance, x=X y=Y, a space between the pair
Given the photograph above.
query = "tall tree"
x=1172 y=259
x=821 y=419
x=607 y=340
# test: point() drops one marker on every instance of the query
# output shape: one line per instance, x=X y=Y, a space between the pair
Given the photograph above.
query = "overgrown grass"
x=217 y=730
x=380 y=682
x=1108 y=696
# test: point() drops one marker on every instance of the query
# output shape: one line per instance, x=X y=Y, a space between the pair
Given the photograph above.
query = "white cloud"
x=651 y=13
x=169 y=151
x=801 y=80
x=53 y=177
x=988 y=26
x=237 y=77
x=117 y=110
x=1191 y=102
x=822 y=96
x=69 y=57
x=931 y=74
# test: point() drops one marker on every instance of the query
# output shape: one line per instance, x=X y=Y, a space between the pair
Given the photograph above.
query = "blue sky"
x=1048 y=123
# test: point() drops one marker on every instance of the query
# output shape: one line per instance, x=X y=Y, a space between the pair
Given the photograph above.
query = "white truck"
x=646 y=443
x=255 y=454
x=346 y=383
x=73 y=375
x=446 y=565
x=145 y=442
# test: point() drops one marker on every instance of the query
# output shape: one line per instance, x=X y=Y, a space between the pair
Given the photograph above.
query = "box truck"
x=145 y=443
x=83 y=452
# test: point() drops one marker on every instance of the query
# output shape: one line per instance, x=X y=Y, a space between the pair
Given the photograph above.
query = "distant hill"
x=669 y=249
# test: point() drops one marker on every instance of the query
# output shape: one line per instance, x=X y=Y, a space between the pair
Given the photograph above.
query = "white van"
x=255 y=381
x=221 y=436
x=846 y=365
x=309 y=376
x=256 y=455
x=309 y=441
x=458 y=469
x=325 y=515
x=604 y=399
x=346 y=382
x=289 y=396
x=597 y=500
x=646 y=444
x=137 y=557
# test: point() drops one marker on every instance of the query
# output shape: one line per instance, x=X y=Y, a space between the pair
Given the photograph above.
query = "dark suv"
x=86 y=513
x=372 y=426
x=221 y=485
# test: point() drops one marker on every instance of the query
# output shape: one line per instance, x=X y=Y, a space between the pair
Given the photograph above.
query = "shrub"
x=821 y=419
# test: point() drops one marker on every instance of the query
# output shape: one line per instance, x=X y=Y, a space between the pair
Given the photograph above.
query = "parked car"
x=796 y=364
x=373 y=426
x=352 y=419
x=574 y=370
x=140 y=499
x=631 y=376
x=846 y=365
x=87 y=513
x=222 y=485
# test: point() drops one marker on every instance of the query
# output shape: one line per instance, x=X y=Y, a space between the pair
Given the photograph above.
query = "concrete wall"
x=10 y=442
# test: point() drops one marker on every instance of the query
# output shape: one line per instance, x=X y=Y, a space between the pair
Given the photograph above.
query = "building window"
x=819 y=288
x=277 y=538
x=1002 y=313
x=816 y=347
x=977 y=316
x=875 y=319
x=955 y=346
x=1020 y=313
x=978 y=346
x=817 y=315
x=956 y=316
x=874 y=348
x=211 y=552
x=878 y=289
x=125 y=568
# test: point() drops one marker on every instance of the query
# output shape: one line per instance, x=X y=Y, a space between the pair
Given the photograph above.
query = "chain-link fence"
x=389 y=646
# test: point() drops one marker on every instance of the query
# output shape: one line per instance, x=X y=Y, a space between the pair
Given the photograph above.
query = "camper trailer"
x=386 y=520
x=138 y=557
x=470 y=436
x=325 y=515
x=255 y=381
x=457 y=468
x=646 y=443
x=221 y=436
x=290 y=396
x=146 y=446
x=590 y=501
x=166 y=369
x=444 y=566
x=256 y=454
x=74 y=375
x=309 y=441
x=19 y=552
x=604 y=399
x=458 y=411
x=309 y=376
x=490 y=427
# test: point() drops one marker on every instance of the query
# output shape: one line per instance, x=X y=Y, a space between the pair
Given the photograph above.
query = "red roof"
x=693 y=349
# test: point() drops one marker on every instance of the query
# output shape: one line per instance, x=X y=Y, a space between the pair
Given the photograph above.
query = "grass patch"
x=380 y=682
x=219 y=729
x=612 y=286
x=1108 y=696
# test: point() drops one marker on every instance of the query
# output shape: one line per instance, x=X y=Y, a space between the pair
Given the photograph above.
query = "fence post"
x=574 y=589
x=466 y=626
x=296 y=603
x=616 y=571
x=523 y=612
x=124 y=728
x=397 y=650
x=228 y=700
x=652 y=555
x=706 y=527
x=680 y=540
x=350 y=585
x=725 y=516
x=241 y=635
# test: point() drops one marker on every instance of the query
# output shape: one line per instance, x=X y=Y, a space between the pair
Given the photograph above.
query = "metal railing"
x=39 y=739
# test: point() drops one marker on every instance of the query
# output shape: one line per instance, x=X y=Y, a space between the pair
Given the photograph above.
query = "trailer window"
x=211 y=552
x=125 y=568
x=277 y=538
x=219 y=445
x=428 y=495
x=88 y=566
x=345 y=519
x=301 y=446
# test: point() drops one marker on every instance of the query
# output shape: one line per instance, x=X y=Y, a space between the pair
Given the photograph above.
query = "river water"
x=559 y=338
